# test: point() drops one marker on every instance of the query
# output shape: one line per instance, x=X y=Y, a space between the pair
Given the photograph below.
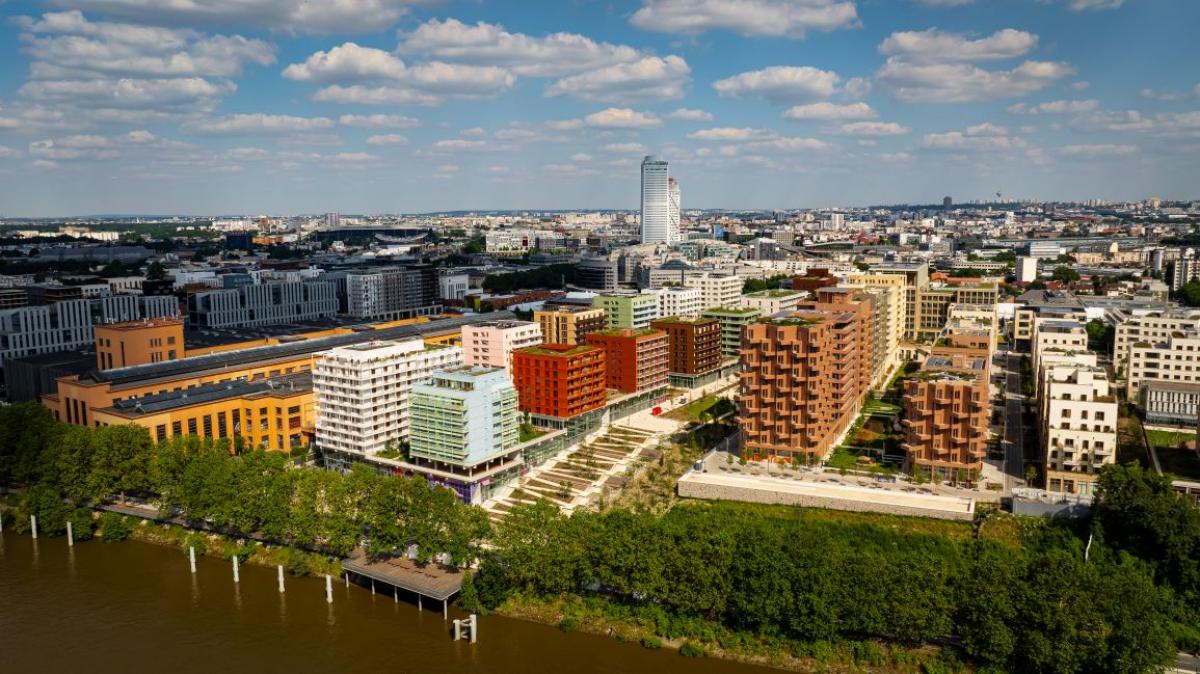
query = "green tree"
x=120 y=461
x=1065 y=274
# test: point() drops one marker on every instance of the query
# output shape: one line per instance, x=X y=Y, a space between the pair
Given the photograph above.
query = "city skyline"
x=392 y=106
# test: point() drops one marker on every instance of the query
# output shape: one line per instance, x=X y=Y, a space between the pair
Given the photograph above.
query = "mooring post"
x=419 y=608
x=328 y=589
x=192 y=557
x=474 y=627
x=457 y=629
x=445 y=613
x=372 y=587
x=70 y=536
x=236 y=579
x=346 y=575
x=280 y=574
x=33 y=525
x=396 y=594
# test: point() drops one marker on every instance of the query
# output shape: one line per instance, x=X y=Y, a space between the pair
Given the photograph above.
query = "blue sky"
x=372 y=106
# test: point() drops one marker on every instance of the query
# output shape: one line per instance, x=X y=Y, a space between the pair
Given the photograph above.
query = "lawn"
x=910 y=525
x=1168 y=438
x=1179 y=462
x=693 y=410
x=529 y=432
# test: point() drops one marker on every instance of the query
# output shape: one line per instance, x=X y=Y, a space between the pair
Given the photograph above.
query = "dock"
x=431 y=581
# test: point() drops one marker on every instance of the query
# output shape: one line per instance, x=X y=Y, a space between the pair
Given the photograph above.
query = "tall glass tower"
x=656 y=201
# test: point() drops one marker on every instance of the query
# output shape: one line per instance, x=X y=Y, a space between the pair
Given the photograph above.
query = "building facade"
x=393 y=292
x=733 y=321
x=560 y=381
x=716 y=290
x=463 y=416
x=771 y=302
x=569 y=325
x=1078 y=427
x=139 y=342
x=656 y=201
x=694 y=344
x=263 y=304
x=491 y=344
x=946 y=411
x=627 y=311
x=673 y=301
x=634 y=360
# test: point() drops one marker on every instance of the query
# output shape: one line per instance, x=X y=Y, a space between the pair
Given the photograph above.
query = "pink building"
x=492 y=344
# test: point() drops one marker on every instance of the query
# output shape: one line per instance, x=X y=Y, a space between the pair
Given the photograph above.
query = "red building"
x=559 y=380
x=634 y=360
x=695 y=344
x=815 y=280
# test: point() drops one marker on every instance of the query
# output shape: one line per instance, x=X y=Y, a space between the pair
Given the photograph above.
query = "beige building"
x=1078 y=427
x=771 y=302
x=492 y=344
x=569 y=325
x=716 y=290
x=1151 y=326
x=1175 y=359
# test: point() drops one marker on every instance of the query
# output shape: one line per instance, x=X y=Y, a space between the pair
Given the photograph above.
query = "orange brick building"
x=559 y=380
x=852 y=300
x=946 y=414
x=694 y=344
x=814 y=280
x=138 y=342
x=801 y=383
x=634 y=360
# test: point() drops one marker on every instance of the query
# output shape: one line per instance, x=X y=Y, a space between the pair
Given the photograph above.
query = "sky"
x=404 y=106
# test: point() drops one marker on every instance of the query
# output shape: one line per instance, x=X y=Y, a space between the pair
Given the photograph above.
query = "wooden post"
x=192 y=557
x=457 y=629
x=33 y=525
x=280 y=574
x=328 y=589
x=236 y=579
x=70 y=536
x=445 y=613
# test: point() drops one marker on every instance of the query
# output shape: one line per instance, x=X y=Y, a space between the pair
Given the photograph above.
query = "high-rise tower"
x=656 y=201
x=673 y=210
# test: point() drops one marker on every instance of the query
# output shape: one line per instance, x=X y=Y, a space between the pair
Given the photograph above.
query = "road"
x=1014 y=436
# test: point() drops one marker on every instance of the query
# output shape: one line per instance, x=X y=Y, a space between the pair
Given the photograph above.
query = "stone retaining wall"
x=713 y=492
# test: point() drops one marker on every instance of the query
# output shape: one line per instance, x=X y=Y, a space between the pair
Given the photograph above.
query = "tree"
x=1100 y=335
x=1064 y=274
x=120 y=461
x=1189 y=294
x=155 y=271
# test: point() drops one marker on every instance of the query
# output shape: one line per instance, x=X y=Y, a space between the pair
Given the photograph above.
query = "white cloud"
x=379 y=121
x=293 y=16
x=649 y=78
x=984 y=137
x=1100 y=150
x=387 y=139
x=1055 y=107
x=1093 y=5
x=622 y=118
x=780 y=83
x=351 y=70
x=732 y=134
x=6 y=151
x=1080 y=86
x=964 y=83
x=937 y=46
x=856 y=89
x=826 y=111
x=465 y=145
x=690 y=114
x=352 y=157
x=1165 y=124
x=261 y=123
x=789 y=144
x=98 y=147
x=581 y=156
x=1171 y=96
x=554 y=55
x=625 y=148
x=765 y=18
x=193 y=93
x=873 y=129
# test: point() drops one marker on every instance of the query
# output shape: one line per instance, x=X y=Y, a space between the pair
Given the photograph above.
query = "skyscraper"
x=656 y=201
x=673 y=210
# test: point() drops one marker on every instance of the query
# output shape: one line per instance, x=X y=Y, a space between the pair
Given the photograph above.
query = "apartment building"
x=464 y=416
x=716 y=290
x=1152 y=326
x=946 y=411
x=69 y=325
x=1078 y=427
x=1175 y=359
x=268 y=303
x=362 y=391
x=569 y=324
x=813 y=280
x=274 y=414
x=151 y=340
x=491 y=344
x=627 y=311
x=872 y=335
x=1056 y=335
x=799 y=388
x=1044 y=304
x=634 y=360
x=390 y=293
x=560 y=381
x=733 y=321
x=1183 y=271
x=694 y=344
x=771 y=302
x=675 y=301
x=933 y=305
x=977 y=313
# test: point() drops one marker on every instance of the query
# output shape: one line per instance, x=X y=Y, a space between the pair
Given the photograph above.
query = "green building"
x=464 y=416
x=732 y=321
x=627 y=311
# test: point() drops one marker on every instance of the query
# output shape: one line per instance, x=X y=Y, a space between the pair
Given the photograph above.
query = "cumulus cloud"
x=756 y=18
x=984 y=137
x=827 y=111
x=729 y=133
x=690 y=115
x=261 y=123
x=1093 y=5
x=387 y=139
x=873 y=129
x=294 y=16
x=648 y=78
x=102 y=147
x=153 y=95
x=964 y=83
x=625 y=148
x=357 y=74
x=1165 y=124
x=1100 y=150
x=934 y=45
x=622 y=118
x=780 y=83
x=1055 y=107
x=379 y=121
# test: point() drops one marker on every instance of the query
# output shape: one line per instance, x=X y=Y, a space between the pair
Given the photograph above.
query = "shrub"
x=115 y=527
x=83 y=525
x=690 y=650
x=568 y=624
x=652 y=642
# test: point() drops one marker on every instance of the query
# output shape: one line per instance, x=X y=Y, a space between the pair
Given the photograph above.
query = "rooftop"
x=207 y=393
x=773 y=294
x=683 y=320
x=737 y=311
x=557 y=349
x=627 y=333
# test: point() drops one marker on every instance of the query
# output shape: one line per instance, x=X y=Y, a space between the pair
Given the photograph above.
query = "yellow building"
x=139 y=342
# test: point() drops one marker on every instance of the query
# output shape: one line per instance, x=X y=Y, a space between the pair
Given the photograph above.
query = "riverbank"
x=599 y=616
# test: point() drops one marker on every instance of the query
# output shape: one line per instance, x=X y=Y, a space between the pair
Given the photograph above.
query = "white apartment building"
x=68 y=325
x=771 y=302
x=1027 y=269
x=509 y=241
x=1177 y=359
x=361 y=391
x=453 y=286
x=1055 y=335
x=679 y=302
x=717 y=290
x=492 y=344
x=1079 y=427
x=1152 y=327
x=268 y=303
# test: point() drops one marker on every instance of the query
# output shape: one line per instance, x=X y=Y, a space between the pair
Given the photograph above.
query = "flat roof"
x=242 y=357
x=432 y=580
x=207 y=393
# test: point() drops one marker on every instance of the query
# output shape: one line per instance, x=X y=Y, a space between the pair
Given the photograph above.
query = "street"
x=1014 y=438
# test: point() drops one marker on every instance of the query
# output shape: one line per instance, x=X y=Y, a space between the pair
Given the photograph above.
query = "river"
x=131 y=607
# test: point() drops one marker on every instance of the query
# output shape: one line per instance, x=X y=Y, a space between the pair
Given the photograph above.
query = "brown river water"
x=134 y=607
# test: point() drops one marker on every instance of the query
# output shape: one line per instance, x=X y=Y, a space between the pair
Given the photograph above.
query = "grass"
x=692 y=410
x=1182 y=463
x=529 y=432
x=1168 y=438
x=910 y=525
